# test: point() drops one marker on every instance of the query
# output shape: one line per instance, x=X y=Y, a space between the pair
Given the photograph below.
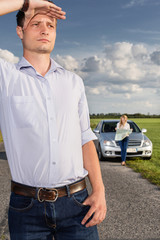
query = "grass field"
x=1 y=139
x=149 y=169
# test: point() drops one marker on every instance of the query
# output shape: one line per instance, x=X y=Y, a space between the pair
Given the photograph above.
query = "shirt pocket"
x=25 y=111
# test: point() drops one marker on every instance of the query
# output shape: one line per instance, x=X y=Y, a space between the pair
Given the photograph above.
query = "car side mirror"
x=144 y=130
x=96 y=131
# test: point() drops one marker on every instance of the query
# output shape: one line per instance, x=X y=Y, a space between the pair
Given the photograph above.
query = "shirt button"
x=54 y=163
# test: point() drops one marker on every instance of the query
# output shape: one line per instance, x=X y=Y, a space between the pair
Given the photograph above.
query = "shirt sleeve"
x=86 y=131
x=7 y=70
x=118 y=125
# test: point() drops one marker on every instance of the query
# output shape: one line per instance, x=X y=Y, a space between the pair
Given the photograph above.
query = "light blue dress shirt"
x=44 y=123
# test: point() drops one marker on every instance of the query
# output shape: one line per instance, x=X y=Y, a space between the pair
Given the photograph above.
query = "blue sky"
x=114 y=45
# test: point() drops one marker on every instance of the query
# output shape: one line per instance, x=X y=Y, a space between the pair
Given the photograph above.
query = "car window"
x=134 y=127
x=98 y=126
x=109 y=127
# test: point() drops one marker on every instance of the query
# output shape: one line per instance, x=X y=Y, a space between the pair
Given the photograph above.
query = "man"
x=46 y=130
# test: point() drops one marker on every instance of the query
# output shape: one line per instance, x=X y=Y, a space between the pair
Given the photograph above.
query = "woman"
x=123 y=143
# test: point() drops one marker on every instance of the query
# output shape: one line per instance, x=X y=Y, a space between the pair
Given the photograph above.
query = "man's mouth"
x=43 y=40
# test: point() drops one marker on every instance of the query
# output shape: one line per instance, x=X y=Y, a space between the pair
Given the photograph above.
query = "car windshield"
x=110 y=127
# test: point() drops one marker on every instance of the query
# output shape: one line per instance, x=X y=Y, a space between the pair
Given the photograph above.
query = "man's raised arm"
x=8 y=6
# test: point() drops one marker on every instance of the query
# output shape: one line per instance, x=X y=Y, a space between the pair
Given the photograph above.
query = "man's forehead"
x=42 y=17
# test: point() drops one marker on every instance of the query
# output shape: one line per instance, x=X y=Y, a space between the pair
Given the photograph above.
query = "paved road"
x=4 y=198
x=133 y=204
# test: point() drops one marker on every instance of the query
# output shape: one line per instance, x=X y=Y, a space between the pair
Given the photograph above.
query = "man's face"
x=40 y=35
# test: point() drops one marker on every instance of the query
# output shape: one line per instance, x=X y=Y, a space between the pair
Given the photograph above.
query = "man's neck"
x=41 y=62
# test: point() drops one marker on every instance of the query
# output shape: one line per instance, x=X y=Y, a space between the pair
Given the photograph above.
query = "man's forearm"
x=8 y=6
x=40 y=6
x=96 y=200
x=91 y=164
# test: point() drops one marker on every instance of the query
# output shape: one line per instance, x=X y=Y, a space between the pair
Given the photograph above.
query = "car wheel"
x=99 y=152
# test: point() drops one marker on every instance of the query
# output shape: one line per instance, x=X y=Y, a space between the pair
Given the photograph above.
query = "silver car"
x=139 y=145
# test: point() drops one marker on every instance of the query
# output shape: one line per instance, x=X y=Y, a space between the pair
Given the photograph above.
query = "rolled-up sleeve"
x=86 y=131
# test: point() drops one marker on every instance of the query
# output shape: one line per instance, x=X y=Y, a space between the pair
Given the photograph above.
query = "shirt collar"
x=23 y=63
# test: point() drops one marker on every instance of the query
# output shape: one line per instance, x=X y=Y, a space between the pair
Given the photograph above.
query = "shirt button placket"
x=52 y=135
x=52 y=129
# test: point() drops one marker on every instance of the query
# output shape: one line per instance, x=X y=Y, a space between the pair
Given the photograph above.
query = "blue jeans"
x=30 y=219
x=123 y=145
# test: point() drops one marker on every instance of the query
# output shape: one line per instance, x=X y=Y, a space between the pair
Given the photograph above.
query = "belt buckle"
x=50 y=190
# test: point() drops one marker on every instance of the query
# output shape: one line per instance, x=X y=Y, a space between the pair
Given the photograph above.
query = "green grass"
x=2 y=237
x=149 y=169
x=1 y=139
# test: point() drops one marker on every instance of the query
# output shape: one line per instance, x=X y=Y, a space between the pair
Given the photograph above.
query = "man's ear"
x=19 y=32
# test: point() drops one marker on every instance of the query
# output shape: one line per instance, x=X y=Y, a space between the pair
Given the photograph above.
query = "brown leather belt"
x=47 y=194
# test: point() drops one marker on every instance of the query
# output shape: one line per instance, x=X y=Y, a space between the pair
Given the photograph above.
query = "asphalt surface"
x=133 y=204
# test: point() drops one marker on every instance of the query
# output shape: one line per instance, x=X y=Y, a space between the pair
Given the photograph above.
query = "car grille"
x=130 y=154
x=132 y=143
x=137 y=153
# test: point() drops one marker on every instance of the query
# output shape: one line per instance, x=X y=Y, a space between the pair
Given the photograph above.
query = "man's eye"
x=51 y=26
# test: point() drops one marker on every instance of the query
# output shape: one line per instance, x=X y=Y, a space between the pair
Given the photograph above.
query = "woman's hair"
x=125 y=118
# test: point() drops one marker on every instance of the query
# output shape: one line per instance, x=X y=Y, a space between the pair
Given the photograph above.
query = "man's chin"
x=44 y=51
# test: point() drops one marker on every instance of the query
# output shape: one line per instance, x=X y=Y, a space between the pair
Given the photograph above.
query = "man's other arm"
x=96 y=200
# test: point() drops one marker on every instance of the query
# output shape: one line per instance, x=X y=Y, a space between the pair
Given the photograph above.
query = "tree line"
x=118 y=115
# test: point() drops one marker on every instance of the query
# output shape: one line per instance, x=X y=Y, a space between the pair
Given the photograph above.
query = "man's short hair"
x=21 y=17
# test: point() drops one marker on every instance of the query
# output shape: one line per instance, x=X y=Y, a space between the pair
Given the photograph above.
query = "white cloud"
x=141 y=3
x=148 y=104
x=128 y=96
x=8 y=56
x=133 y=3
x=68 y=62
x=92 y=64
x=124 y=78
x=97 y=90
x=125 y=74
x=155 y=57
x=126 y=59
x=71 y=64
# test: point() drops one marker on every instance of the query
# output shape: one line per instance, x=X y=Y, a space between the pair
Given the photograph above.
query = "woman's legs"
x=123 y=145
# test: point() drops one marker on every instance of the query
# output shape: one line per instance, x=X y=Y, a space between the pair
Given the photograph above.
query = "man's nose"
x=44 y=30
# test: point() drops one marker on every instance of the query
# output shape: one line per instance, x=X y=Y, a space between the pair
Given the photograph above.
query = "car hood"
x=133 y=136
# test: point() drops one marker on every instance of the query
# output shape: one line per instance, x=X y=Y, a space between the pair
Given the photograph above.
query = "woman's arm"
x=127 y=126
x=117 y=126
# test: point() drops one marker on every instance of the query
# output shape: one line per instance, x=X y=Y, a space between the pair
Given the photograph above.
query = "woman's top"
x=126 y=126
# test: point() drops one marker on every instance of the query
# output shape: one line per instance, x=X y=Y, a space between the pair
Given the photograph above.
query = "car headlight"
x=146 y=143
x=108 y=143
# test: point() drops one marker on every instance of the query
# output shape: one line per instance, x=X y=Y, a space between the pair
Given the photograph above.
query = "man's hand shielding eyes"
x=43 y=7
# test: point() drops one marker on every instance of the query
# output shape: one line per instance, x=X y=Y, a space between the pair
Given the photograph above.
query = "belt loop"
x=68 y=191
x=36 y=192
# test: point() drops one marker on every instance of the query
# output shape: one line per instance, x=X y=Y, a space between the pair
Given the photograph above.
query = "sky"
x=114 y=45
